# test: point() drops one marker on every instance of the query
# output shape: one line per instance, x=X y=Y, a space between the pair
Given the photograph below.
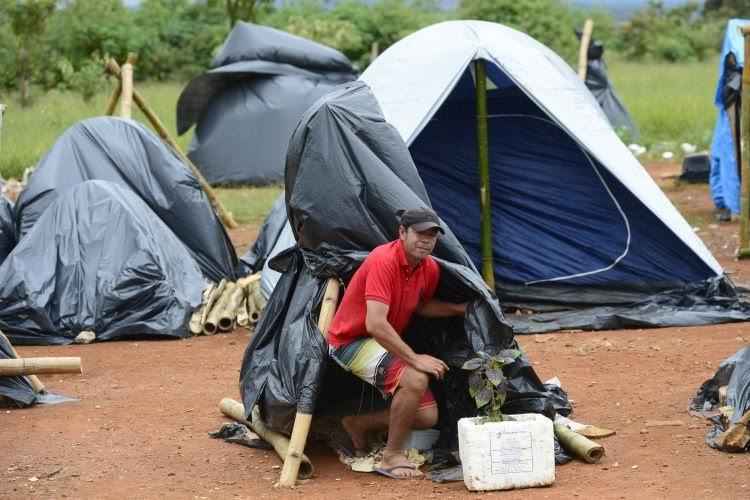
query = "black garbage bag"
x=247 y=105
x=7 y=228
x=734 y=373
x=127 y=153
x=348 y=171
x=98 y=259
x=16 y=389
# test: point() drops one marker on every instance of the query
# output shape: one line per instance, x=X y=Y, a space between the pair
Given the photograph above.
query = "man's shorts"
x=369 y=361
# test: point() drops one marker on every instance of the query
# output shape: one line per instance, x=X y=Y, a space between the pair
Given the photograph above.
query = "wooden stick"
x=226 y=217
x=302 y=420
x=485 y=201
x=236 y=411
x=36 y=384
x=113 y=99
x=580 y=446
x=126 y=82
x=31 y=366
x=211 y=325
x=744 y=250
x=583 y=51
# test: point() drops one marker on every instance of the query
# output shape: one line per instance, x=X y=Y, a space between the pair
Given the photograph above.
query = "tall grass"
x=670 y=103
x=27 y=133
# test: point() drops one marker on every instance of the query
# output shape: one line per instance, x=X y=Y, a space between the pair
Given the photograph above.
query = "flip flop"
x=388 y=472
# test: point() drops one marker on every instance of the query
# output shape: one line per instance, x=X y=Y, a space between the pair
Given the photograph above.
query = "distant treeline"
x=60 y=44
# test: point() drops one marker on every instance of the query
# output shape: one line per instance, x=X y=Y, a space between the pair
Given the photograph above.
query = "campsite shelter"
x=247 y=105
x=125 y=152
x=725 y=176
x=576 y=219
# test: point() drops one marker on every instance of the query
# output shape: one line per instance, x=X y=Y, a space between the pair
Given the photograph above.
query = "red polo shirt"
x=387 y=277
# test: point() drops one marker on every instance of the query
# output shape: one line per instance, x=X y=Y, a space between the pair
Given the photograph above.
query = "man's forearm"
x=387 y=337
x=440 y=309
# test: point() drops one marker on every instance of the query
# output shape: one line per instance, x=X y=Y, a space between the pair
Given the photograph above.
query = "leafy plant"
x=488 y=385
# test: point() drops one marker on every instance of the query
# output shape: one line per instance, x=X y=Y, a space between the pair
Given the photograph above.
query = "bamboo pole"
x=485 y=201
x=229 y=313
x=36 y=384
x=302 y=420
x=31 y=366
x=744 y=250
x=226 y=217
x=212 y=323
x=583 y=51
x=113 y=99
x=126 y=82
x=580 y=446
x=236 y=411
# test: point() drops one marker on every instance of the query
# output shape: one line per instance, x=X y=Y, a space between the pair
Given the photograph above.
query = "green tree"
x=28 y=20
x=245 y=10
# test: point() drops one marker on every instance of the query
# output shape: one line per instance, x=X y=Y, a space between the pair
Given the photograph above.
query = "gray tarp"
x=127 y=153
x=247 y=104
x=17 y=389
x=98 y=259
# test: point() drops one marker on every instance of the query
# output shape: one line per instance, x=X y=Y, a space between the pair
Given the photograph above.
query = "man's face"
x=418 y=244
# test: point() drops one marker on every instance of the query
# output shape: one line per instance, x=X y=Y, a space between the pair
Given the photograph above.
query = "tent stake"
x=226 y=217
x=302 y=420
x=485 y=202
x=744 y=251
x=36 y=384
x=583 y=51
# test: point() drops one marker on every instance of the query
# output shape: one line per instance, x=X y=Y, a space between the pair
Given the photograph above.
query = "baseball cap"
x=421 y=219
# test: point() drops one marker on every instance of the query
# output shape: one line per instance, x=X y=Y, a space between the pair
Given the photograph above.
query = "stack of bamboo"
x=227 y=304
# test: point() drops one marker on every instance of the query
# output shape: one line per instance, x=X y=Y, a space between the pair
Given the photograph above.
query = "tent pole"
x=488 y=272
x=36 y=384
x=226 y=217
x=583 y=51
x=744 y=250
x=126 y=89
x=302 y=421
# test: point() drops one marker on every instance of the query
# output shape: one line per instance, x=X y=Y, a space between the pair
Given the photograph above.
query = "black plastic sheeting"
x=98 y=259
x=248 y=104
x=599 y=84
x=127 y=153
x=7 y=228
x=16 y=389
x=734 y=373
x=344 y=142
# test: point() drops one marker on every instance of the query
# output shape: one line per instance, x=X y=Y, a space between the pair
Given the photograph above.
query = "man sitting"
x=395 y=281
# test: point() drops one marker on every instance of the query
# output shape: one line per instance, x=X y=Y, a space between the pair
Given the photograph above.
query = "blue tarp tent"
x=725 y=181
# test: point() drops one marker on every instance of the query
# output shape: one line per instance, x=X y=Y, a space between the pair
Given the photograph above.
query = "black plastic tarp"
x=127 y=153
x=347 y=173
x=98 y=259
x=247 y=104
x=7 y=228
x=599 y=84
x=16 y=389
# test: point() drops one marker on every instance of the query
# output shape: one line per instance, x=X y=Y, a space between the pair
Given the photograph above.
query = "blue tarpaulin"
x=724 y=180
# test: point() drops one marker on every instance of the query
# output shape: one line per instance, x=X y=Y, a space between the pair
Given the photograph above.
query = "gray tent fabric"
x=17 y=389
x=98 y=259
x=7 y=228
x=348 y=171
x=247 y=105
x=127 y=153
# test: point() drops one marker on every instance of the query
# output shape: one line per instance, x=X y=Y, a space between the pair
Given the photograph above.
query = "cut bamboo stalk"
x=258 y=300
x=113 y=99
x=229 y=312
x=236 y=411
x=36 y=384
x=485 y=199
x=580 y=446
x=243 y=319
x=301 y=428
x=32 y=366
x=196 y=325
x=211 y=325
x=583 y=51
x=211 y=300
x=226 y=217
x=744 y=250
x=248 y=281
x=126 y=97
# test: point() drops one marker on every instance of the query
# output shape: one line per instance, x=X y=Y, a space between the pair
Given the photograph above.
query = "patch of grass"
x=28 y=133
x=670 y=103
x=249 y=205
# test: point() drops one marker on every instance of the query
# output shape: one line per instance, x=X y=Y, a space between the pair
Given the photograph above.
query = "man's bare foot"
x=397 y=466
x=357 y=435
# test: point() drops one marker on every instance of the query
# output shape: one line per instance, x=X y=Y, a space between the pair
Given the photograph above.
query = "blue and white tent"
x=725 y=180
x=576 y=219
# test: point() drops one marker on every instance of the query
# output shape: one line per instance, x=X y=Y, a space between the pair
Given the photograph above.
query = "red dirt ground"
x=140 y=428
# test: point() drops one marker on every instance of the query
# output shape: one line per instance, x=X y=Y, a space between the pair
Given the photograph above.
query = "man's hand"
x=429 y=365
